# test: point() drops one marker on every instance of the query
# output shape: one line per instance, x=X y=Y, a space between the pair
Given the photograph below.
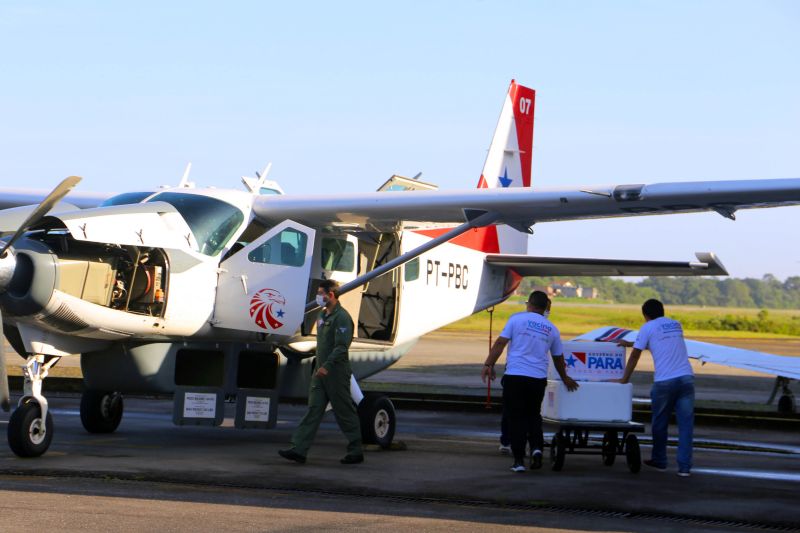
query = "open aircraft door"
x=262 y=287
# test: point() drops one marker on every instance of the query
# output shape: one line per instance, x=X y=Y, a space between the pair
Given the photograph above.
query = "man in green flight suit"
x=331 y=381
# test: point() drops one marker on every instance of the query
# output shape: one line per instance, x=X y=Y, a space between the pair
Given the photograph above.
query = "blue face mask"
x=321 y=300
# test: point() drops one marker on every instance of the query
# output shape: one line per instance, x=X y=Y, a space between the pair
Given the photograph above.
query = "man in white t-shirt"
x=529 y=336
x=673 y=384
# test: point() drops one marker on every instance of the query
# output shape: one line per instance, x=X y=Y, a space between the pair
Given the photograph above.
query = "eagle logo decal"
x=266 y=307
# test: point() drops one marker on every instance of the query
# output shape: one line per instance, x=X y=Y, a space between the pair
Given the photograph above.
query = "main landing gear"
x=101 y=412
x=378 y=420
x=786 y=402
x=30 y=428
x=376 y=416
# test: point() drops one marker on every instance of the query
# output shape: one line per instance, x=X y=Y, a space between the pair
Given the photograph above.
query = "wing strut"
x=474 y=220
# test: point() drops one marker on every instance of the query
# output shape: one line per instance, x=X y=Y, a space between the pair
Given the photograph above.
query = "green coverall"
x=334 y=335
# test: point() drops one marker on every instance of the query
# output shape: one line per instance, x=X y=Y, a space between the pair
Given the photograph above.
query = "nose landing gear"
x=30 y=428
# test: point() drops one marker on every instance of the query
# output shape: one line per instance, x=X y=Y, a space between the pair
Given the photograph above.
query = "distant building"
x=591 y=293
x=568 y=289
x=547 y=289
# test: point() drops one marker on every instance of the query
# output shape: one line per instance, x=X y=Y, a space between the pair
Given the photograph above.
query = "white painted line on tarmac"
x=751 y=474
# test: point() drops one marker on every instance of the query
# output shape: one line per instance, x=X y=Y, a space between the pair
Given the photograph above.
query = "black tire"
x=609 y=449
x=26 y=435
x=557 y=452
x=378 y=421
x=101 y=412
x=633 y=455
x=786 y=404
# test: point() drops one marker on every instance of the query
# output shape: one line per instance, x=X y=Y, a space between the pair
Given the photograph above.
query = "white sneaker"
x=518 y=468
x=505 y=450
x=684 y=474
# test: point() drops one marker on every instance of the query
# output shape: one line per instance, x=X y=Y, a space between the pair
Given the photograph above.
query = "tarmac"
x=443 y=473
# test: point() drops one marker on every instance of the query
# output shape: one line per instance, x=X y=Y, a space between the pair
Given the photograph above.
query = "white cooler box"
x=593 y=402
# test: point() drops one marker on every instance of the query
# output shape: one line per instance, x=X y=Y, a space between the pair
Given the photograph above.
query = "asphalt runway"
x=445 y=474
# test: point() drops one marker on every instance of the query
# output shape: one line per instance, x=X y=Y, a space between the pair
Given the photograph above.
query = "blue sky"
x=341 y=96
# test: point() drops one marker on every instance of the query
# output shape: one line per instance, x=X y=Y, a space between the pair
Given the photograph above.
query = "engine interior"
x=126 y=278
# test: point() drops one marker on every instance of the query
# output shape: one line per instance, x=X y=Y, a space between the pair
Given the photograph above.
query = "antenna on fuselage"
x=185 y=183
x=254 y=186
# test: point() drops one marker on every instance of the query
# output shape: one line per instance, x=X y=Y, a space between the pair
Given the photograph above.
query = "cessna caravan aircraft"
x=208 y=293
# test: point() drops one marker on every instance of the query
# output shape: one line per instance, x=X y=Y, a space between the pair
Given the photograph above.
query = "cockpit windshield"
x=125 y=199
x=213 y=222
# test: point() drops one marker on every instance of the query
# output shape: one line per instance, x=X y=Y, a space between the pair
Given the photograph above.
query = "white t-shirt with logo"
x=531 y=336
x=664 y=338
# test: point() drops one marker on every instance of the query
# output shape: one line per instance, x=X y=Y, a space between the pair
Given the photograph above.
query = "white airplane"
x=203 y=292
x=783 y=368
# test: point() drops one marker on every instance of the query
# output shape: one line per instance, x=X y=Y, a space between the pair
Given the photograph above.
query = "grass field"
x=573 y=318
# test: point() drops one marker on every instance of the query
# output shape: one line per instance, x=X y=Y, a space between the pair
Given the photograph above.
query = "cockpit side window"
x=213 y=222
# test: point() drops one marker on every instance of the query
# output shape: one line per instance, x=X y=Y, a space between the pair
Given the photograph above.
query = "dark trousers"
x=535 y=439
x=522 y=406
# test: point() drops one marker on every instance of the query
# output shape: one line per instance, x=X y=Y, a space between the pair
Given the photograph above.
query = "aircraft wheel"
x=378 y=421
x=609 y=449
x=633 y=454
x=28 y=435
x=557 y=452
x=101 y=412
x=786 y=404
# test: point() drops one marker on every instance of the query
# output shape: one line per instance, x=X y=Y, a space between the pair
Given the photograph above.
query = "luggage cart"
x=572 y=436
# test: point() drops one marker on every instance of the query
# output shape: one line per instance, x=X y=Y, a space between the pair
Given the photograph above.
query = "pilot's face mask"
x=322 y=300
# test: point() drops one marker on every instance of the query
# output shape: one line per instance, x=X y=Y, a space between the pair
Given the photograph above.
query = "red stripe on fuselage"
x=480 y=239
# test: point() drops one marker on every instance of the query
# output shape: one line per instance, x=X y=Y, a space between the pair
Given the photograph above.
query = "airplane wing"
x=766 y=363
x=707 y=264
x=27 y=197
x=522 y=207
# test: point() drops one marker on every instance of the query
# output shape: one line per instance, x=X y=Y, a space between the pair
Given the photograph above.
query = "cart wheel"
x=609 y=450
x=633 y=454
x=557 y=452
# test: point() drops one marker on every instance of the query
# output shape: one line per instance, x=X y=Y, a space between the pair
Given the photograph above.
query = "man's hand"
x=322 y=372
x=620 y=380
x=626 y=344
x=488 y=371
x=571 y=384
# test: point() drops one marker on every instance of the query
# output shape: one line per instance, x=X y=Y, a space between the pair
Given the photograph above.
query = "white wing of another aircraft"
x=774 y=365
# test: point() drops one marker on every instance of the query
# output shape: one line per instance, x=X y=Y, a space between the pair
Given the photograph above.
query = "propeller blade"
x=61 y=190
x=5 y=396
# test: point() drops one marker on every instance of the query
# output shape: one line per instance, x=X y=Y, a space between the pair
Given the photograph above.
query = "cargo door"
x=263 y=286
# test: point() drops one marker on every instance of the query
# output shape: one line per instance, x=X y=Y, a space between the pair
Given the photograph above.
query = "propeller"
x=55 y=196
x=8 y=263
x=5 y=395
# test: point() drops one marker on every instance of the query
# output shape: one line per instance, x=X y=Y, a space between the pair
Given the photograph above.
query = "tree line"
x=767 y=292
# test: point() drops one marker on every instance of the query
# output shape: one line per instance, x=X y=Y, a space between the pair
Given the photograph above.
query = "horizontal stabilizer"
x=766 y=363
x=707 y=264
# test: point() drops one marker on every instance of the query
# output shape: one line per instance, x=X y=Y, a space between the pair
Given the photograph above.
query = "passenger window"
x=338 y=255
x=286 y=248
x=412 y=270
